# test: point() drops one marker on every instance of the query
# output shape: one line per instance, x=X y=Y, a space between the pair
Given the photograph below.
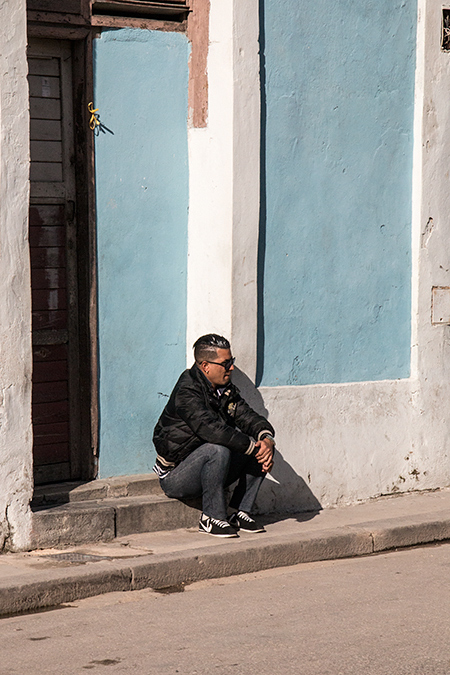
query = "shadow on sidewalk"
x=285 y=486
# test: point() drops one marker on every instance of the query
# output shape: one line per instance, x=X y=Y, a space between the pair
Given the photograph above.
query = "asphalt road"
x=381 y=615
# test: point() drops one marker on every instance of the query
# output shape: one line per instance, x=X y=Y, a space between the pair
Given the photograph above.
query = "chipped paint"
x=16 y=484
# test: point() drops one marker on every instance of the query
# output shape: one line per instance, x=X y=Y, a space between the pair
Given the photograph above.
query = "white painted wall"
x=224 y=187
x=16 y=483
x=246 y=183
x=432 y=241
x=210 y=191
x=344 y=443
x=341 y=443
x=338 y=443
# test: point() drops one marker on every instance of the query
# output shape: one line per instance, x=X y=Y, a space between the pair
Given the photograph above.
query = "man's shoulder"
x=188 y=380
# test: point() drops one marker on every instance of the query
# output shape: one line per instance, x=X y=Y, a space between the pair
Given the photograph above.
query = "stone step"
x=88 y=521
x=121 y=486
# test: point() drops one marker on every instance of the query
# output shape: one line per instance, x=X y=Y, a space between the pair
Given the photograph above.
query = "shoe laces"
x=220 y=523
x=244 y=516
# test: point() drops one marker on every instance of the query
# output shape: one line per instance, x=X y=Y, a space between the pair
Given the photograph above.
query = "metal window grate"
x=141 y=8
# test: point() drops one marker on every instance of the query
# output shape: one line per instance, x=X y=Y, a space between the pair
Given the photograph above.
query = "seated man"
x=208 y=437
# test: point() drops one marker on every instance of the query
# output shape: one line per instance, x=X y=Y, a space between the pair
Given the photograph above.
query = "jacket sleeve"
x=192 y=408
x=250 y=422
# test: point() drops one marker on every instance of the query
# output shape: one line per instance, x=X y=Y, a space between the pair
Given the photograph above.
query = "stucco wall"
x=431 y=343
x=224 y=161
x=340 y=443
x=16 y=484
x=141 y=80
x=338 y=100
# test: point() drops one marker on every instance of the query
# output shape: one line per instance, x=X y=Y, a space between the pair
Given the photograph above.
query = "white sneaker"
x=218 y=528
x=242 y=521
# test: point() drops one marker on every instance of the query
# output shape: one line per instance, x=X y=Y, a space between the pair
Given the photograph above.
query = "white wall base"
x=339 y=444
x=16 y=476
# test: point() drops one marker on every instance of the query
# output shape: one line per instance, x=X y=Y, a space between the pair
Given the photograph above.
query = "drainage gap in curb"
x=167 y=590
x=75 y=558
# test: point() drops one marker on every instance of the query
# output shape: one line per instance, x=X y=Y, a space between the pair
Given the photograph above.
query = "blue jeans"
x=207 y=471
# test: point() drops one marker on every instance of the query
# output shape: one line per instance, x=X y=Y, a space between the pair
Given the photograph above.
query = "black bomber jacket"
x=195 y=414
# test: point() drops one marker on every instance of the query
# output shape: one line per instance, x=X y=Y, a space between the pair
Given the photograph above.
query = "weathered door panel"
x=141 y=160
x=52 y=237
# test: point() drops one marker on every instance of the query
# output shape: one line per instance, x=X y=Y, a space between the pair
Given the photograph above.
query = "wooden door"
x=53 y=249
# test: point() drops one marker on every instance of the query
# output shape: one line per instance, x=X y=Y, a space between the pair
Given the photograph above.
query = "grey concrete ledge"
x=93 y=521
x=38 y=588
x=102 y=488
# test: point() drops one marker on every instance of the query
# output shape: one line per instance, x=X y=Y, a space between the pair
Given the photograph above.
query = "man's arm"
x=255 y=425
x=250 y=422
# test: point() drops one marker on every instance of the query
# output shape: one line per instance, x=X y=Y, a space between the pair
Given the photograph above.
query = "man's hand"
x=265 y=454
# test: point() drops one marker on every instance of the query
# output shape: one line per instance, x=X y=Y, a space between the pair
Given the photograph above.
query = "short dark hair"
x=205 y=348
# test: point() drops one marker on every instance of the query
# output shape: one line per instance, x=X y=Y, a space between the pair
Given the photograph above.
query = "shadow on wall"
x=284 y=491
x=260 y=342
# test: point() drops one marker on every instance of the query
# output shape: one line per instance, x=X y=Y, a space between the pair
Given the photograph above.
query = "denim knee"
x=219 y=452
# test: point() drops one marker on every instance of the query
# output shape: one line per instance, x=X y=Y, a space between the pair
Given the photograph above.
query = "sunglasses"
x=225 y=364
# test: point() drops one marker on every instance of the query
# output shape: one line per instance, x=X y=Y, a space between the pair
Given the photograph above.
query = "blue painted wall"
x=141 y=80
x=335 y=249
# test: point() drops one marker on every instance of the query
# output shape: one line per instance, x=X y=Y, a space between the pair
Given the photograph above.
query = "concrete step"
x=94 y=521
x=121 y=486
x=80 y=520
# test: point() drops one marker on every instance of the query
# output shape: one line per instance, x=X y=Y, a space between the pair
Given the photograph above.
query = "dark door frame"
x=87 y=256
x=84 y=406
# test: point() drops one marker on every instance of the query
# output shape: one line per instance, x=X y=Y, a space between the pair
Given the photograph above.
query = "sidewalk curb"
x=51 y=587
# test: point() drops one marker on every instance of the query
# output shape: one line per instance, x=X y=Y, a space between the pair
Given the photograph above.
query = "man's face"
x=217 y=374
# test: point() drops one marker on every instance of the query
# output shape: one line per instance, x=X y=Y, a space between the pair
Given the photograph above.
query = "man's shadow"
x=283 y=493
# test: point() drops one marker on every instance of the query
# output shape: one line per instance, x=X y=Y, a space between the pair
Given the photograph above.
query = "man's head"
x=212 y=354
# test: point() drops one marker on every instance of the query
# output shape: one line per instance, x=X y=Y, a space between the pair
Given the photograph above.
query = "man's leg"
x=247 y=471
x=204 y=473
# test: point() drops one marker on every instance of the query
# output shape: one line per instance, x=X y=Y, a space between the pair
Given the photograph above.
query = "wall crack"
x=132 y=579
x=428 y=231
x=5 y=532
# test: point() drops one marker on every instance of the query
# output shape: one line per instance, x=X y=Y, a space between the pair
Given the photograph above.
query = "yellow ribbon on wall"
x=93 y=122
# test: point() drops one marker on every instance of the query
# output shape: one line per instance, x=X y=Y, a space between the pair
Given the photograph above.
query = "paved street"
x=384 y=615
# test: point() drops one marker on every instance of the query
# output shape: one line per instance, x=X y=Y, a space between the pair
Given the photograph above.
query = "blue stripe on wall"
x=338 y=94
x=141 y=80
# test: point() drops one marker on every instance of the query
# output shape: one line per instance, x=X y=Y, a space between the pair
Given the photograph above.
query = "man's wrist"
x=252 y=448
x=267 y=436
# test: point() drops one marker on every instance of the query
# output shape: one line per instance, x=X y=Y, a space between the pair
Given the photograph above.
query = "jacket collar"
x=200 y=377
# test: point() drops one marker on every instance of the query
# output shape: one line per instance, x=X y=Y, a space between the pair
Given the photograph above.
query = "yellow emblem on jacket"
x=232 y=409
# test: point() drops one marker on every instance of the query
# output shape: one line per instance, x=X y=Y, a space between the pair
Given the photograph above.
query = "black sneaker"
x=242 y=521
x=218 y=528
